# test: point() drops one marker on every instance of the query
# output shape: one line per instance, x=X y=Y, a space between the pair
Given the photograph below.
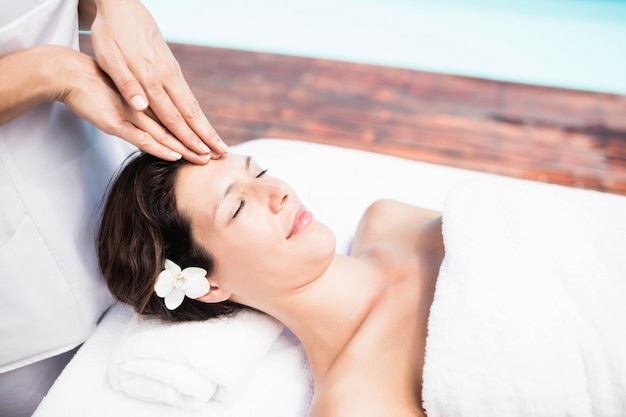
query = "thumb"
x=114 y=64
x=130 y=88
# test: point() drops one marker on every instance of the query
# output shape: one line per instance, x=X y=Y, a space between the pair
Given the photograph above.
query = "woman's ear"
x=215 y=295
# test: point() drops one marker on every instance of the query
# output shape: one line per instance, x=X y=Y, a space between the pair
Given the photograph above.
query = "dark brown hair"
x=139 y=229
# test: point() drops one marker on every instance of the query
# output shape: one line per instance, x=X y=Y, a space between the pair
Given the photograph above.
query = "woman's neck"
x=327 y=313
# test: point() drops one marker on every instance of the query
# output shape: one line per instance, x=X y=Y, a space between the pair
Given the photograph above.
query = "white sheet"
x=337 y=184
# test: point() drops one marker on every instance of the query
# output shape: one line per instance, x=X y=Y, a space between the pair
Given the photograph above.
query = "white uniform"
x=54 y=169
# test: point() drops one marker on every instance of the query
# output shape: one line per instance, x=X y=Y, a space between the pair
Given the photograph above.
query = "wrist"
x=62 y=67
x=104 y=6
x=36 y=76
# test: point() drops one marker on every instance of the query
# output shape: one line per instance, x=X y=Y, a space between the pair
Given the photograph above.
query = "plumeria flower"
x=174 y=284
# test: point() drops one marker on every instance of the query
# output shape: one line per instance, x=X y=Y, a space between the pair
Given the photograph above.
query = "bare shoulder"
x=389 y=224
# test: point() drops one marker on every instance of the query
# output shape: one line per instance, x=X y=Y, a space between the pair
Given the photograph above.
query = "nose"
x=278 y=195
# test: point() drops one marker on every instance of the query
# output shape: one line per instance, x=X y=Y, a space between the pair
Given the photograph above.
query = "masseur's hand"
x=85 y=89
x=129 y=47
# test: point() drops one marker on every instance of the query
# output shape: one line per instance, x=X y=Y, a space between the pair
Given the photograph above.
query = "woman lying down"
x=362 y=319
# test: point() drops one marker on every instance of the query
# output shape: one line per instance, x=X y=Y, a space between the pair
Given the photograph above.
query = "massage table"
x=471 y=319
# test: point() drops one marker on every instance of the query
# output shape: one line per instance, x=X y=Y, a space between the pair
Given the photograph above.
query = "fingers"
x=184 y=100
x=180 y=112
x=145 y=142
x=113 y=63
x=169 y=115
x=152 y=137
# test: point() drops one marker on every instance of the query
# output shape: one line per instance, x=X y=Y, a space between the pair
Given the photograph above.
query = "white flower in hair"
x=174 y=284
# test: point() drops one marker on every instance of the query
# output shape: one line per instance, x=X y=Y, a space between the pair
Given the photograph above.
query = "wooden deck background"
x=568 y=137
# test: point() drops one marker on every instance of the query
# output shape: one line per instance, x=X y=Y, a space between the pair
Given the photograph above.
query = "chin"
x=326 y=244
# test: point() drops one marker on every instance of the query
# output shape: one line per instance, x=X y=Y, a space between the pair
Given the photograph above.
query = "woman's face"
x=263 y=239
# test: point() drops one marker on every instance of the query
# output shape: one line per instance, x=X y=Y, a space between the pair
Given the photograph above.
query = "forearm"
x=29 y=82
x=31 y=79
x=88 y=9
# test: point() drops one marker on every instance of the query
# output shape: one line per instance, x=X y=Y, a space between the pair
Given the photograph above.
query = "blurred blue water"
x=577 y=44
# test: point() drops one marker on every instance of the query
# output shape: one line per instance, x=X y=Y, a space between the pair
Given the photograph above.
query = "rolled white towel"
x=190 y=364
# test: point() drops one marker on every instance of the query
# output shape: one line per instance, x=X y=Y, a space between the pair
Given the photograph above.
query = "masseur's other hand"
x=129 y=47
x=90 y=94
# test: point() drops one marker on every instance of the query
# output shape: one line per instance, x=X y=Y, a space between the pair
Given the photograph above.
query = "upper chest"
x=382 y=365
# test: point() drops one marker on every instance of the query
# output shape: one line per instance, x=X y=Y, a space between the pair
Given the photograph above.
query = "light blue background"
x=564 y=43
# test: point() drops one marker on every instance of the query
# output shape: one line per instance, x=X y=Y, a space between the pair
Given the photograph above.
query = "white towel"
x=189 y=364
x=529 y=315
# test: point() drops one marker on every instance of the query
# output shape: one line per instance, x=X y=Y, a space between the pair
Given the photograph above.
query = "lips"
x=301 y=220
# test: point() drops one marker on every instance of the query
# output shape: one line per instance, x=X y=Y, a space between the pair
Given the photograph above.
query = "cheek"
x=249 y=246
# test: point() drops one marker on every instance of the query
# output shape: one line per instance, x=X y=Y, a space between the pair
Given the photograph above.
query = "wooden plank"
x=568 y=137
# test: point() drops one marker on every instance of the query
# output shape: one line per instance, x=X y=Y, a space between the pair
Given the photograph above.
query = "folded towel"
x=189 y=364
x=529 y=317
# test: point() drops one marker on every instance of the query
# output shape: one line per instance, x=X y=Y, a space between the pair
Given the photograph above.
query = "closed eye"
x=242 y=203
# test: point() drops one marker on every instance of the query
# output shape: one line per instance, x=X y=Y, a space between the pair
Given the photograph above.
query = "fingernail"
x=222 y=146
x=175 y=155
x=204 y=148
x=206 y=156
x=139 y=103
